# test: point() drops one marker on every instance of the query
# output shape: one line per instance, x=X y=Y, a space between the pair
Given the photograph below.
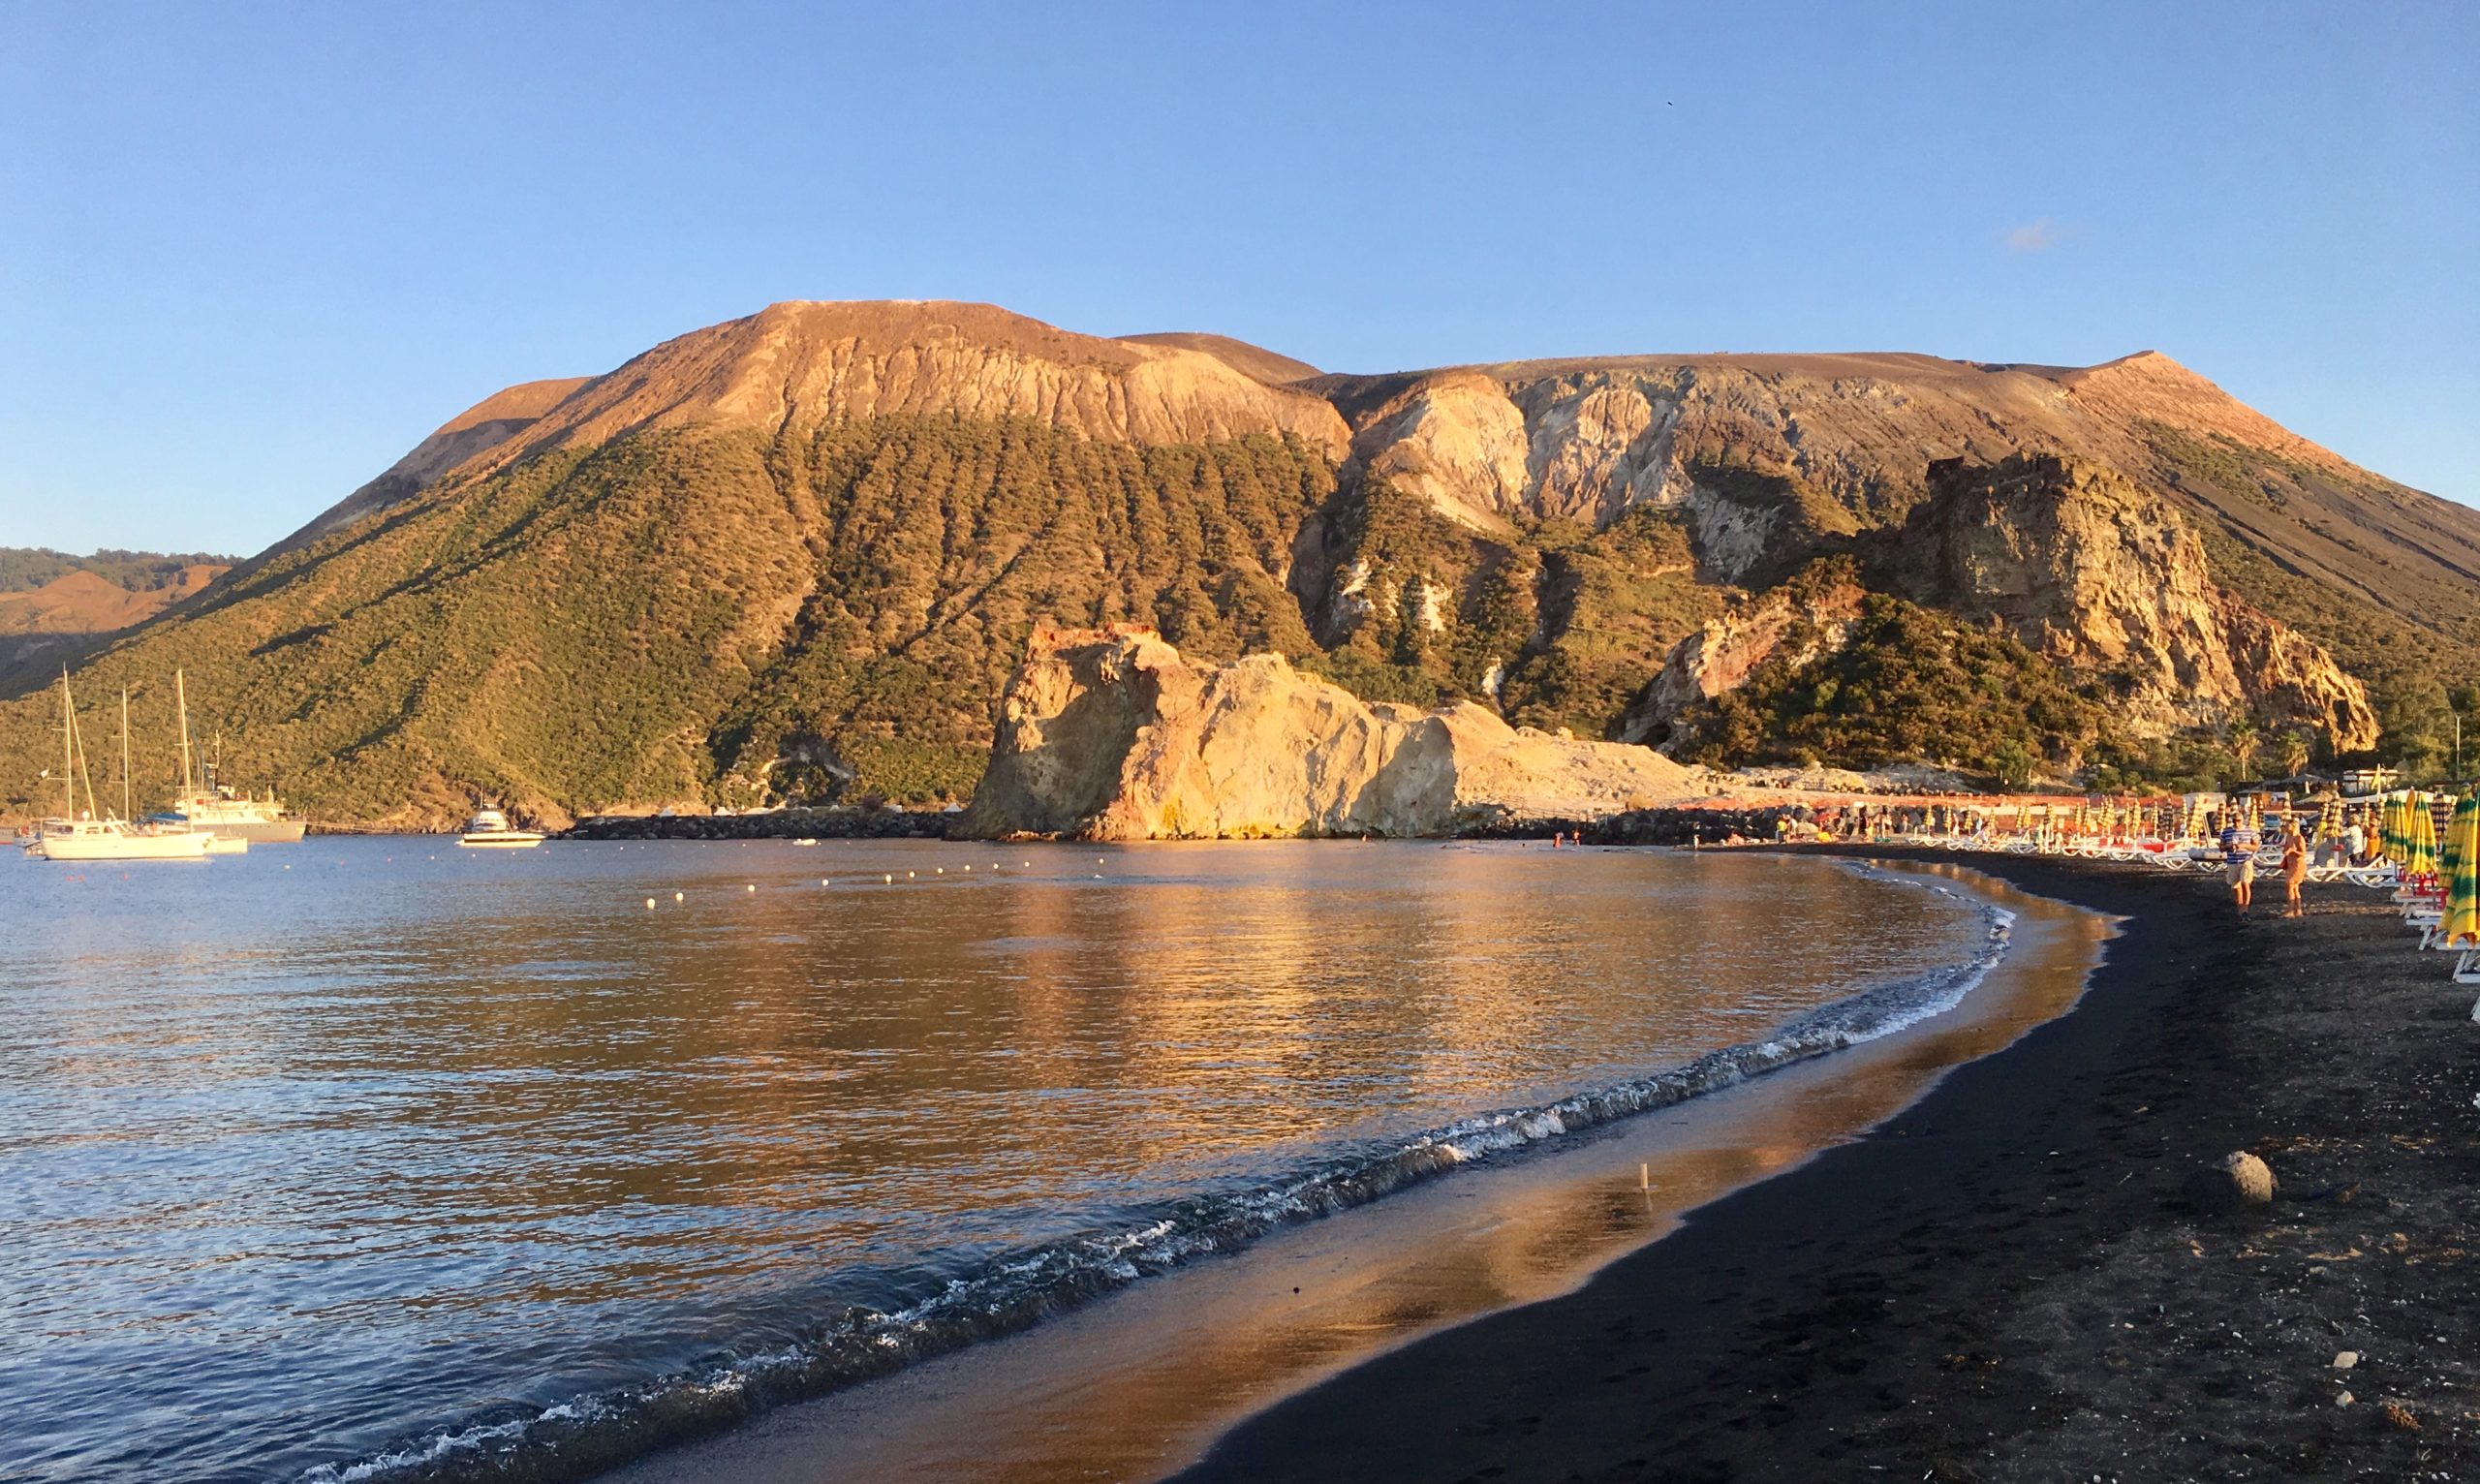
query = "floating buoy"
x=968 y=867
x=1029 y=865
x=890 y=880
x=911 y=876
x=942 y=869
x=650 y=904
x=822 y=881
x=678 y=897
x=753 y=887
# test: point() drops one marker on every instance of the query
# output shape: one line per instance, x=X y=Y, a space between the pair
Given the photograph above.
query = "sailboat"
x=83 y=837
x=216 y=808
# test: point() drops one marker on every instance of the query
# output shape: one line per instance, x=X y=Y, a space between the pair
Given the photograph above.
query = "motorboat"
x=489 y=830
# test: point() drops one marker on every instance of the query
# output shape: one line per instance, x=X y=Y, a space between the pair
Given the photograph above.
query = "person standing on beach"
x=2294 y=871
x=2239 y=842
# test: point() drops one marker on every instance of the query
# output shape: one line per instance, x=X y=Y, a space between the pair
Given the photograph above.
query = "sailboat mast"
x=86 y=774
x=180 y=689
x=124 y=754
x=68 y=756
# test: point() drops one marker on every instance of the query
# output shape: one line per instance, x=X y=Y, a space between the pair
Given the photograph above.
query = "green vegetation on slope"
x=2306 y=548
x=1910 y=684
x=1561 y=625
x=663 y=618
x=938 y=543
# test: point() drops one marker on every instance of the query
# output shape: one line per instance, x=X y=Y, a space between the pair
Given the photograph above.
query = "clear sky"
x=250 y=254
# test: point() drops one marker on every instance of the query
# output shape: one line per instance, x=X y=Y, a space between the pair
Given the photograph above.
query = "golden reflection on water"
x=1135 y=1388
x=383 y=1133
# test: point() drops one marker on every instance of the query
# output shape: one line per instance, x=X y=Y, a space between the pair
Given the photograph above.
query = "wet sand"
x=1140 y=1383
x=1999 y=1282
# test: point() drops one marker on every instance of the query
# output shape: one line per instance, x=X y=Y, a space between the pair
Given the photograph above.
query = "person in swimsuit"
x=2294 y=872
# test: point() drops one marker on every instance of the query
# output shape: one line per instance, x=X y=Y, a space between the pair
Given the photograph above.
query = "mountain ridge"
x=797 y=555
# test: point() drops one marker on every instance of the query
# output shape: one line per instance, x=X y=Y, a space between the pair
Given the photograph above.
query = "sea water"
x=379 y=1159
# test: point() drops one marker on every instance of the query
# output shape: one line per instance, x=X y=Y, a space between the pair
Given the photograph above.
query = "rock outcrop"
x=1800 y=622
x=2089 y=571
x=1112 y=735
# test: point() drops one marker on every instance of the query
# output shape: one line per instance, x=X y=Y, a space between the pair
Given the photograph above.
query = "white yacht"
x=227 y=815
x=489 y=830
x=79 y=836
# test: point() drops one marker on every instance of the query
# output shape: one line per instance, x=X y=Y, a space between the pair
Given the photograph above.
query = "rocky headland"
x=1110 y=735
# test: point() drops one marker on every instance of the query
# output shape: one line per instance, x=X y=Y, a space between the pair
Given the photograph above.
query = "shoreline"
x=1998 y=1282
x=1200 y=1350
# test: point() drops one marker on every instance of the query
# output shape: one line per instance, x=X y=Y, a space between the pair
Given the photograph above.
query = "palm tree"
x=2294 y=753
x=2243 y=743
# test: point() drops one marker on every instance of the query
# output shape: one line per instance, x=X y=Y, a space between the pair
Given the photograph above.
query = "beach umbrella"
x=2420 y=840
x=2462 y=925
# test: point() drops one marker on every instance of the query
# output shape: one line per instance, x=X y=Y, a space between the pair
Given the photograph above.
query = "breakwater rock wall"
x=1113 y=735
x=1687 y=825
x=775 y=824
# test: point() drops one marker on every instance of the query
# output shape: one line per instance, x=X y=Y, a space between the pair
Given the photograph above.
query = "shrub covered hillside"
x=794 y=557
x=679 y=615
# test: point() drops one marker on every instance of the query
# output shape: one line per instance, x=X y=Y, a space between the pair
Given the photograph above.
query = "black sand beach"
x=2001 y=1282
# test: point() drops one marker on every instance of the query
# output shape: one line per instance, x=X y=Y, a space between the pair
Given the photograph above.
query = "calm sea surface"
x=357 y=1159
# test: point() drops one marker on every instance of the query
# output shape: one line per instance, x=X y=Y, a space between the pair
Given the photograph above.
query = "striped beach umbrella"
x=2462 y=925
x=2419 y=839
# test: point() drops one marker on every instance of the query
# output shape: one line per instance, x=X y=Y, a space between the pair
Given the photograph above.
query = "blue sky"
x=252 y=254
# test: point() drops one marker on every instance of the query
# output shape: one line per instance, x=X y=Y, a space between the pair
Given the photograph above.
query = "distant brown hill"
x=59 y=601
x=797 y=555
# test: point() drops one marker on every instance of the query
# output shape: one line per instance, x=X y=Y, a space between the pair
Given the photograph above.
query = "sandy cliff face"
x=1114 y=736
x=2089 y=570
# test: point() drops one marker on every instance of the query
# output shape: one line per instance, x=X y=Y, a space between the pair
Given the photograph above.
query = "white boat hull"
x=133 y=846
x=507 y=842
x=255 y=831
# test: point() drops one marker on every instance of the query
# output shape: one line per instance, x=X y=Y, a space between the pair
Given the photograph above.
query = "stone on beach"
x=2234 y=1183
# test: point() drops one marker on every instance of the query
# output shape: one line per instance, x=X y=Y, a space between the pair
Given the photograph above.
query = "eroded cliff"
x=2086 y=570
x=1113 y=735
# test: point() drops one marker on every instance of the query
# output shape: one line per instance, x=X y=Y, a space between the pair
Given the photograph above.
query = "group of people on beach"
x=2241 y=840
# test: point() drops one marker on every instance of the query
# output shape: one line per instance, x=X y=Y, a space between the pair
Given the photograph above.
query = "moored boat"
x=215 y=807
x=118 y=840
x=489 y=830
x=78 y=836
